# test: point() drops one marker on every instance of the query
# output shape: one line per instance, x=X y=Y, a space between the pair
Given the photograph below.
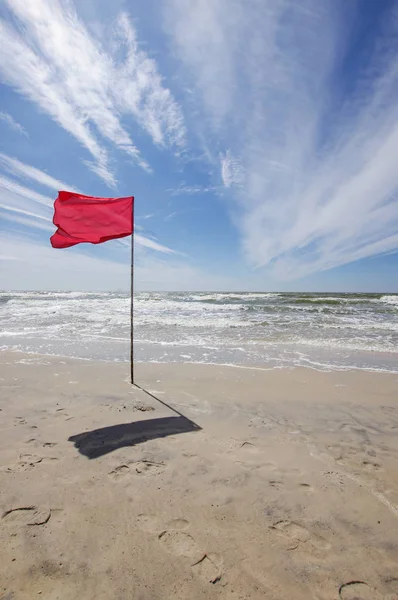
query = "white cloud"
x=21 y=211
x=145 y=242
x=316 y=162
x=25 y=263
x=231 y=170
x=19 y=190
x=56 y=269
x=50 y=57
x=190 y=190
x=201 y=32
x=12 y=123
x=28 y=220
x=153 y=245
x=20 y=169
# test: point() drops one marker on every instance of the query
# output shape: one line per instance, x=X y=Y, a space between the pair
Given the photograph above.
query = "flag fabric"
x=92 y=220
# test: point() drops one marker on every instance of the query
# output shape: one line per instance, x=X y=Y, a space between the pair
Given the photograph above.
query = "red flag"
x=88 y=219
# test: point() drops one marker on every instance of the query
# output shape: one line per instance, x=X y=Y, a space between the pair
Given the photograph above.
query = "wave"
x=310 y=301
x=48 y=296
x=354 y=344
x=231 y=296
x=340 y=300
x=262 y=295
x=390 y=299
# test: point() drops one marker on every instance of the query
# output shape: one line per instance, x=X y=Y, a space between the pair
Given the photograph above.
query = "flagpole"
x=132 y=301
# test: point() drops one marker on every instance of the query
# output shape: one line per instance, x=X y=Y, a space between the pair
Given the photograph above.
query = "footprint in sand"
x=178 y=542
x=178 y=524
x=281 y=485
x=150 y=523
x=28 y=462
x=34 y=459
x=147 y=523
x=392 y=584
x=208 y=568
x=371 y=466
x=142 y=467
x=278 y=485
x=297 y=534
x=334 y=476
x=249 y=447
x=27 y=515
x=358 y=590
x=306 y=487
x=392 y=587
x=119 y=471
x=181 y=543
x=292 y=471
x=251 y=465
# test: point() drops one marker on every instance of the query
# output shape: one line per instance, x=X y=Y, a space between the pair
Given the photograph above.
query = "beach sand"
x=269 y=485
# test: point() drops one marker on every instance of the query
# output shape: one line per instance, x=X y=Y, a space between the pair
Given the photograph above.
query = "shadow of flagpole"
x=99 y=442
x=162 y=402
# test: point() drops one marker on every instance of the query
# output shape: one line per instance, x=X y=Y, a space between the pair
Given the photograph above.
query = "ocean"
x=259 y=330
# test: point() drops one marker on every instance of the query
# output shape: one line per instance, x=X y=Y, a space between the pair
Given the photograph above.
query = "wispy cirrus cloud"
x=20 y=190
x=311 y=130
x=27 y=220
x=51 y=58
x=231 y=170
x=12 y=123
x=152 y=244
x=20 y=169
x=191 y=190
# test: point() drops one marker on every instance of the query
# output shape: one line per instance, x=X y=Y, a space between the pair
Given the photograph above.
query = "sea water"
x=261 y=330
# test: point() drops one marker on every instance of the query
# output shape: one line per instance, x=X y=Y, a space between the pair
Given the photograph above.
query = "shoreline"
x=253 y=367
x=237 y=484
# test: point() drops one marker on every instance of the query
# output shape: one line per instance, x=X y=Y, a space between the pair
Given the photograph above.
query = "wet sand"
x=267 y=485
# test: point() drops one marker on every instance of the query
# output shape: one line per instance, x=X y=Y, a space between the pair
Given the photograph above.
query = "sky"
x=259 y=139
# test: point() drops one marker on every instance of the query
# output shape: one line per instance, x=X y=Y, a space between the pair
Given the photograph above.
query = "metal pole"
x=132 y=300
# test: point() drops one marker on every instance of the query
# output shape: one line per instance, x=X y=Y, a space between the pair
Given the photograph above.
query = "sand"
x=268 y=485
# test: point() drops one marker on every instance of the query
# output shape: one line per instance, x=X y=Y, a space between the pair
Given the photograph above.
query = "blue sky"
x=260 y=140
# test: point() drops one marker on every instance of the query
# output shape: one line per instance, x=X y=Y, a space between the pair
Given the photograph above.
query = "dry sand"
x=273 y=484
